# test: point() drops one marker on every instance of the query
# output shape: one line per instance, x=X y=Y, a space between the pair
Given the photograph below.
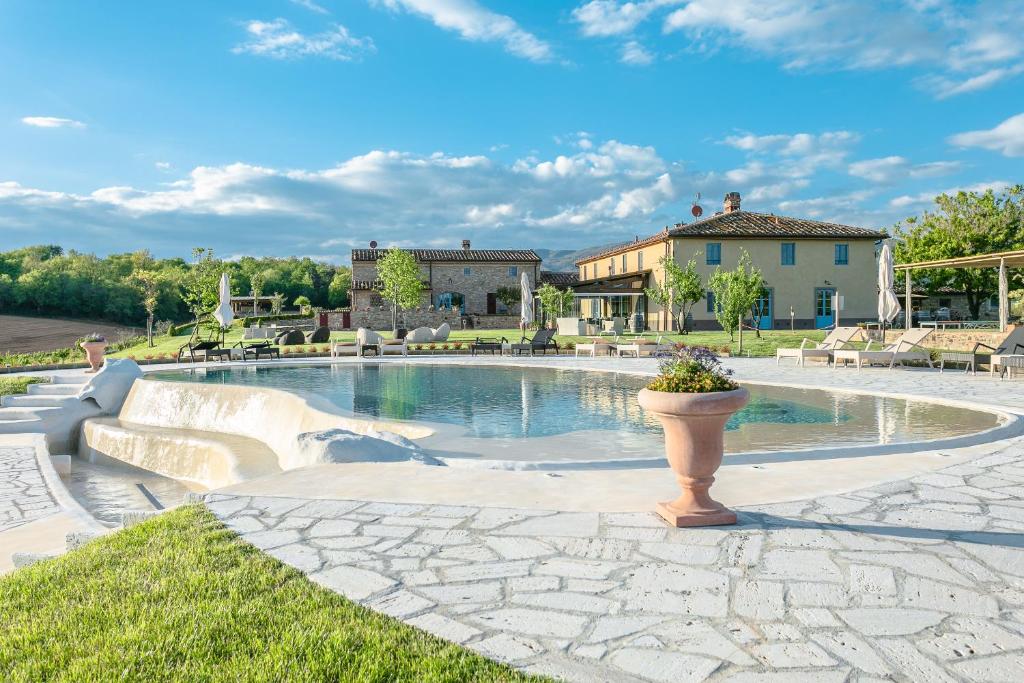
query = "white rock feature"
x=110 y=386
x=341 y=445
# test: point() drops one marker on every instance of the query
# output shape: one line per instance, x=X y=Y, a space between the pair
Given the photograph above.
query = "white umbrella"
x=525 y=302
x=224 y=314
x=1004 y=296
x=888 y=303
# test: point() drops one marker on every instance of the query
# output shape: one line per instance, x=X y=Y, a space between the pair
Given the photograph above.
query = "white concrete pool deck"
x=919 y=578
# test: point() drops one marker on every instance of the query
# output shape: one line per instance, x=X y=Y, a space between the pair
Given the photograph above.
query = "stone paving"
x=23 y=493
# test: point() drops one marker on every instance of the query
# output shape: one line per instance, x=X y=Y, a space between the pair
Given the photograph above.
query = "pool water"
x=523 y=413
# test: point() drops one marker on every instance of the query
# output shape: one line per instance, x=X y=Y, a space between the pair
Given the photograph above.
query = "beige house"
x=807 y=266
x=465 y=281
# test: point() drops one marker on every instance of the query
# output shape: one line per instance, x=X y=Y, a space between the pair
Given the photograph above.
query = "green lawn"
x=167 y=347
x=18 y=385
x=181 y=598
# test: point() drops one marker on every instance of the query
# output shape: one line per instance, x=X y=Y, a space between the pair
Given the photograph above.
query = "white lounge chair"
x=836 y=339
x=1012 y=345
x=644 y=347
x=394 y=346
x=906 y=348
x=595 y=345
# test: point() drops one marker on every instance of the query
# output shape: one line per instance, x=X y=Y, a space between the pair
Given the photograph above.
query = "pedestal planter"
x=94 y=354
x=694 y=427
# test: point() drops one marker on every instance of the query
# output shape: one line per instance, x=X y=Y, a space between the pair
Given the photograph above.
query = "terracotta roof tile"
x=559 y=278
x=460 y=255
x=751 y=224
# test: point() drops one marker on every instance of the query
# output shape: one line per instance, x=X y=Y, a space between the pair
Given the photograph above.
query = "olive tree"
x=554 y=301
x=681 y=288
x=399 y=281
x=736 y=292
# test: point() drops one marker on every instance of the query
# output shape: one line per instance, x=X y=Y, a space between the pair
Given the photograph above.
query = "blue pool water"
x=574 y=414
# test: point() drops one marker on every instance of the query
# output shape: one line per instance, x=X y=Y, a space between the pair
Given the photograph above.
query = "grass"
x=18 y=385
x=167 y=347
x=181 y=598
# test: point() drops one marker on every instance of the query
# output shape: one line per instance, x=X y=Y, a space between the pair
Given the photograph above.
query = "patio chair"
x=542 y=340
x=646 y=347
x=367 y=338
x=262 y=349
x=906 y=348
x=836 y=339
x=491 y=344
x=394 y=346
x=594 y=345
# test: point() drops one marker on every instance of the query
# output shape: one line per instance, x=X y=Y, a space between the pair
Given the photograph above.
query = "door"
x=323 y=320
x=765 y=309
x=824 y=316
x=492 y=303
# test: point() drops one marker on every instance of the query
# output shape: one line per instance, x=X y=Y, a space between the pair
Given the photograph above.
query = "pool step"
x=79 y=379
x=212 y=459
x=26 y=414
x=54 y=389
x=36 y=401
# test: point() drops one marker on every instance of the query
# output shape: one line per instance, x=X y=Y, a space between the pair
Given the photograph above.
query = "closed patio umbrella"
x=224 y=314
x=888 y=302
x=1004 y=297
x=525 y=302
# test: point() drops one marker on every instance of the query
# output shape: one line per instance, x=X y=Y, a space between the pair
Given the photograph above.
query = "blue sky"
x=282 y=127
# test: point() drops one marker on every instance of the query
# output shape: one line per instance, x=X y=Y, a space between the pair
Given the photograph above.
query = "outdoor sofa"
x=644 y=347
x=836 y=339
x=906 y=348
x=594 y=345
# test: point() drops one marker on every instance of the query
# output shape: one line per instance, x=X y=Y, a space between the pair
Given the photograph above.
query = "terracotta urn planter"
x=694 y=427
x=94 y=354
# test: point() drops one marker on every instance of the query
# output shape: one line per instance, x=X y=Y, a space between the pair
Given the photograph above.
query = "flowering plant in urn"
x=693 y=397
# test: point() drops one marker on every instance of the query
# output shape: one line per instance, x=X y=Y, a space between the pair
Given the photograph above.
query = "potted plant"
x=94 y=345
x=693 y=397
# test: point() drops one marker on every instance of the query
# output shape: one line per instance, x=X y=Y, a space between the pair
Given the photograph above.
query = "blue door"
x=824 y=316
x=765 y=309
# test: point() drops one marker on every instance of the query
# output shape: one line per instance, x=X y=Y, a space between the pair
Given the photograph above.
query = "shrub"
x=693 y=370
x=433 y=346
x=444 y=347
x=148 y=356
x=457 y=345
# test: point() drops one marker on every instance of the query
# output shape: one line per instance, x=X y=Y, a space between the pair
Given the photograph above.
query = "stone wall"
x=379 y=318
x=955 y=340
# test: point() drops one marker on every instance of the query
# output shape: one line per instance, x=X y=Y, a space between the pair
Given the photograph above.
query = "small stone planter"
x=94 y=354
x=694 y=427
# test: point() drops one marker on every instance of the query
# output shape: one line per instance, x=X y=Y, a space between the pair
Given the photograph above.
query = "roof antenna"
x=696 y=209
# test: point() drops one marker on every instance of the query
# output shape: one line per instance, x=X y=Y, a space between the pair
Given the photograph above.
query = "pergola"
x=1001 y=260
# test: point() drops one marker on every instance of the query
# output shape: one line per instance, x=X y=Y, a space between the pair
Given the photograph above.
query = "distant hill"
x=564 y=259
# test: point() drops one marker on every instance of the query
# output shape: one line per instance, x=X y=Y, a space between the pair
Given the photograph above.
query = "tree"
x=256 y=281
x=736 y=292
x=399 y=281
x=201 y=281
x=338 y=290
x=554 y=301
x=303 y=303
x=509 y=296
x=965 y=224
x=680 y=289
x=276 y=303
x=149 y=284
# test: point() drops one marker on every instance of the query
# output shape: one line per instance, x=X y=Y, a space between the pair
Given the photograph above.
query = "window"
x=611 y=266
x=467 y=271
x=585 y=273
x=714 y=253
x=711 y=302
x=639 y=260
x=625 y=263
x=842 y=254
x=513 y=271
x=788 y=253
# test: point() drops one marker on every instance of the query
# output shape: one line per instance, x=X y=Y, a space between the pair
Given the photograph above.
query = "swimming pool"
x=526 y=414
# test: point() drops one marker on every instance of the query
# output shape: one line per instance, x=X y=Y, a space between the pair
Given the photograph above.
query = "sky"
x=310 y=127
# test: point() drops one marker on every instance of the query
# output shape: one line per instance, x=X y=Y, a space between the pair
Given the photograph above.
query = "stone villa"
x=805 y=263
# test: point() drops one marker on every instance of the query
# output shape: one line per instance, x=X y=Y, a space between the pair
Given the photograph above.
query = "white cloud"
x=163 y=165
x=636 y=54
x=1006 y=138
x=476 y=23
x=922 y=200
x=895 y=168
x=51 y=122
x=968 y=46
x=311 y=6
x=277 y=39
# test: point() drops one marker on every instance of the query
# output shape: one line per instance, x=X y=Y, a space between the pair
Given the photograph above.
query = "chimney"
x=732 y=202
x=465 y=244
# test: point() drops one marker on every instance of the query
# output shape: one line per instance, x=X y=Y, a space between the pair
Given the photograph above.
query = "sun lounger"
x=645 y=347
x=594 y=345
x=542 y=341
x=394 y=346
x=906 y=348
x=836 y=339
